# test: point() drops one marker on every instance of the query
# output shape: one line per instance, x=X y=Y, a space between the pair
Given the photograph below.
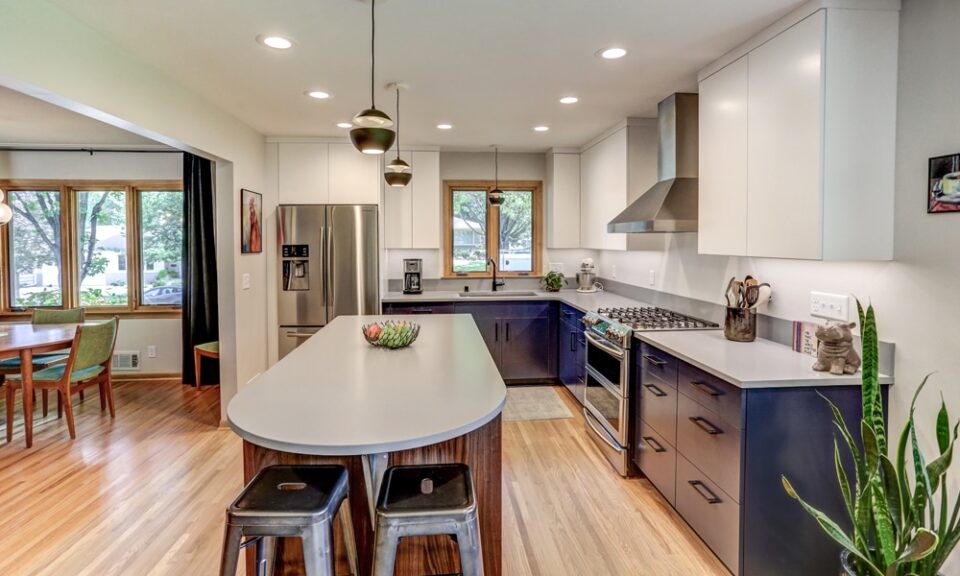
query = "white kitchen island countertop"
x=337 y=395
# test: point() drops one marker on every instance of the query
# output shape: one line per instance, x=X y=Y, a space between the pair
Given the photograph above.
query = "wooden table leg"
x=26 y=374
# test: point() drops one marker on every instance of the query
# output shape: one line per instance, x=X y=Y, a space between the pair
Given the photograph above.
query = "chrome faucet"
x=496 y=283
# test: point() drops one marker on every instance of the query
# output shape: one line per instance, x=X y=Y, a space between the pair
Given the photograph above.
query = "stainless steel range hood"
x=671 y=204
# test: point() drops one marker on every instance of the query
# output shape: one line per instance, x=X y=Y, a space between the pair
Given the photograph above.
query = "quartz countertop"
x=337 y=395
x=584 y=301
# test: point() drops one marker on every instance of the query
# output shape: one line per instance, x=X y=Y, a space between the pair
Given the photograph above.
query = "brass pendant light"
x=496 y=195
x=398 y=172
x=371 y=133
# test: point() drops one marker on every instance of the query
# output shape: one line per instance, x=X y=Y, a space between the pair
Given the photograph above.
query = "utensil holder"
x=740 y=324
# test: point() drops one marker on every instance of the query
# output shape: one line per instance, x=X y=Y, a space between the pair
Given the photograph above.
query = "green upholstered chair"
x=41 y=361
x=208 y=349
x=87 y=365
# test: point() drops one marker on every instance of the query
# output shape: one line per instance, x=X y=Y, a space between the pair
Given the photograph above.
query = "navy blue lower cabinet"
x=521 y=337
x=571 y=350
x=731 y=447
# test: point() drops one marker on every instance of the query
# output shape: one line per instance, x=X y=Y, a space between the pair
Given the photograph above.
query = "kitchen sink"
x=497 y=294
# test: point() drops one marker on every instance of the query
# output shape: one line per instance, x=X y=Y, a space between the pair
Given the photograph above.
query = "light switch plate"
x=556 y=267
x=830 y=306
x=613 y=271
x=151 y=351
x=652 y=281
x=245 y=282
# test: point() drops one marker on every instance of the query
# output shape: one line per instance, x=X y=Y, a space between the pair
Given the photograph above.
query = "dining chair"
x=88 y=364
x=40 y=361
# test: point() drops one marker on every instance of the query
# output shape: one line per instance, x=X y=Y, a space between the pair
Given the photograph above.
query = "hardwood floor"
x=145 y=493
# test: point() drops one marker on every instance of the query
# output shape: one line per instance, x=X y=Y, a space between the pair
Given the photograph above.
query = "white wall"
x=87 y=73
x=134 y=333
x=915 y=295
x=479 y=166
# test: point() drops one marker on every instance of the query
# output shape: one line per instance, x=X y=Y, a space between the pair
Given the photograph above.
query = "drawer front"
x=710 y=444
x=657 y=459
x=654 y=363
x=709 y=391
x=711 y=512
x=570 y=314
x=658 y=408
x=425 y=308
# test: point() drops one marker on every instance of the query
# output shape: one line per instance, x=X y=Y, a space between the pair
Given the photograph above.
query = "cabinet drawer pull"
x=496 y=332
x=422 y=310
x=656 y=391
x=508 y=331
x=705 y=425
x=654 y=360
x=573 y=341
x=657 y=447
x=567 y=313
x=704 y=492
x=706 y=388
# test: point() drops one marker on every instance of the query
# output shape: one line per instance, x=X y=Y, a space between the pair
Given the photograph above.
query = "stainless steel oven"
x=607 y=398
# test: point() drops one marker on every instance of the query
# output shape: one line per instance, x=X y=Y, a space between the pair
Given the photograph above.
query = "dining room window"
x=476 y=231
x=114 y=246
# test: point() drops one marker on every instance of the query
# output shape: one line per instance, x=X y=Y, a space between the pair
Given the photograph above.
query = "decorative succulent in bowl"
x=391 y=334
x=553 y=281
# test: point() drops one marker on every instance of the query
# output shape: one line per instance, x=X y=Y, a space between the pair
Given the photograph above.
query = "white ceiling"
x=492 y=68
x=26 y=121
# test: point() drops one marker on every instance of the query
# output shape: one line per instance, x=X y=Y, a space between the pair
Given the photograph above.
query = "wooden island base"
x=480 y=449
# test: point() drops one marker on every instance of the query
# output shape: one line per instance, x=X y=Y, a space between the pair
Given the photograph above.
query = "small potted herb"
x=553 y=281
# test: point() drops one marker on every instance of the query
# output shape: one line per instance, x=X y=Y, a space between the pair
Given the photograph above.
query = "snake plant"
x=898 y=508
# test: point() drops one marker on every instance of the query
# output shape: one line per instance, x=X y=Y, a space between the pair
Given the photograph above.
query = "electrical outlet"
x=613 y=271
x=151 y=351
x=830 y=306
x=556 y=267
x=245 y=282
x=652 y=281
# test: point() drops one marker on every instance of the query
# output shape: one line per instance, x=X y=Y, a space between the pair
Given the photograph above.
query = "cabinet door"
x=723 y=161
x=425 y=211
x=567 y=353
x=563 y=200
x=603 y=192
x=784 y=143
x=397 y=211
x=302 y=175
x=526 y=349
x=354 y=176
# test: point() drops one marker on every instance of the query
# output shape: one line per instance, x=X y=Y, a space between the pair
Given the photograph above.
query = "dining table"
x=26 y=340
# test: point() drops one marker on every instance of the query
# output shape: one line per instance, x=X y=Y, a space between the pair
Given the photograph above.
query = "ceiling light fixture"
x=569 y=100
x=541 y=128
x=496 y=195
x=612 y=53
x=318 y=94
x=275 y=42
x=398 y=173
x=444 y=126
x=372 y=133
x=344 y=125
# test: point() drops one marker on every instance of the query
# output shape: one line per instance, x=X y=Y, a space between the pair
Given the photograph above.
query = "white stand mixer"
x=587 y=277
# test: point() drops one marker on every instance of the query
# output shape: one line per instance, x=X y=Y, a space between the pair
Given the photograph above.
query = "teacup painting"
x=943 y=193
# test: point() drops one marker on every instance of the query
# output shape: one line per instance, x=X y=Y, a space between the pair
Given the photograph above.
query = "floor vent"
x=126 y=360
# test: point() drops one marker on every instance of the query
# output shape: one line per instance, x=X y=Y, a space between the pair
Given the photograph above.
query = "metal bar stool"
x=427 y=500
x=290 y=501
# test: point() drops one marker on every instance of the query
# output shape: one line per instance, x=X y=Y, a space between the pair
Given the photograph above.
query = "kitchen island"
x=337 y=399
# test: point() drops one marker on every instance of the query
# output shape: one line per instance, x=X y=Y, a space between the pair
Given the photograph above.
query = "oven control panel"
x=615 y=332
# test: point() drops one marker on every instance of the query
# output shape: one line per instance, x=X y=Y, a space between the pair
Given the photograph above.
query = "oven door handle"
x=608 y=385
x=618 y=354
x=589 y=418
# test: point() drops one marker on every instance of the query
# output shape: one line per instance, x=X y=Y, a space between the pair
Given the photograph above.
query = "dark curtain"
x=200 y=319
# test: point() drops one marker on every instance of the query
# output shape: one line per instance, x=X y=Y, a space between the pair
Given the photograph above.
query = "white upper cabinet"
x=302 y=173
x=603 y=191
x=797 y=139
x=411 y=215
x=563 y=200
x=354 y=177
x=722 y=217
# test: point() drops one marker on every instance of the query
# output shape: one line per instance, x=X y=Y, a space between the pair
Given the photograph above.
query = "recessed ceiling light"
x=540 y=128
x=612 y=53
x=344 y=125
x=444 y=126
x=318 y=94
x=278 y=42
x=569 y=100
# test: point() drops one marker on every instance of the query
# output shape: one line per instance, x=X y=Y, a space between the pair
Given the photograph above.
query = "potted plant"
x=553 y=281
x=898 y=508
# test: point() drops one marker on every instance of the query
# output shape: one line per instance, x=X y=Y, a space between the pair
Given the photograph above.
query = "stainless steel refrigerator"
x=327 y=267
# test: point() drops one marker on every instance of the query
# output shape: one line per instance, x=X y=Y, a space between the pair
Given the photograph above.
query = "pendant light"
x=372 y=133
x=496 y=195
x=398 y=172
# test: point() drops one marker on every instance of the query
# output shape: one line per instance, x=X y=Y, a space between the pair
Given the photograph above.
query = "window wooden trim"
x=69 y=263
x=493 y=225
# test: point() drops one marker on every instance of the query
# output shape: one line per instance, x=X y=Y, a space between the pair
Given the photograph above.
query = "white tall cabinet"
x=562 y=185
x=411 y=214
x=797 y=138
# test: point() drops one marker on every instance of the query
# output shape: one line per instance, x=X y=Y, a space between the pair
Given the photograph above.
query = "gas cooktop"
x=654 y=318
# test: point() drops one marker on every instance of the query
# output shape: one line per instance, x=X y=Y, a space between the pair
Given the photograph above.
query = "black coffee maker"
x=412 y=270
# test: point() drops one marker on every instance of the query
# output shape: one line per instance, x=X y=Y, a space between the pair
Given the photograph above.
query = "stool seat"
x=210 y=347
x=433 y=488
x=305 y=493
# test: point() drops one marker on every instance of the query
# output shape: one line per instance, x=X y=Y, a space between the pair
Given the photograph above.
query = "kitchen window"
x=111 y=247
x=474 y=231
